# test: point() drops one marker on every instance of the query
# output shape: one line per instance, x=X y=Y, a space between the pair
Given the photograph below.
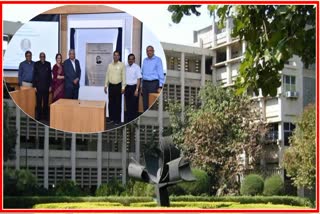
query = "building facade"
x=93 y=159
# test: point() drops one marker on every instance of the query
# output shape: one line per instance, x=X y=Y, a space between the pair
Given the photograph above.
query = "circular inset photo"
x=87 y=71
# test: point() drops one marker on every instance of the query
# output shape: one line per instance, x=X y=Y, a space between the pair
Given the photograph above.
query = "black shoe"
x=117 y=123
x=109 y=122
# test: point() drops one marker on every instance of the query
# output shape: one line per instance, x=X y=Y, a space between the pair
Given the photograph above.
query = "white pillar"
x=18 y=114
x=281 y=148
x=203 y=70
x=228 y=65
x=73 y=157
x=214 y=70
x=228 y=29
x=182 y=83
x=137 y=143
x=160 y=116
x=244 y=45
x=124 y=155
x=46 y=157
x=214 y=31
x=99 y=160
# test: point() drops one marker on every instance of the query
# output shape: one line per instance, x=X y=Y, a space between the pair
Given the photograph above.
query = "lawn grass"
x=78 y=205
x=152 y=205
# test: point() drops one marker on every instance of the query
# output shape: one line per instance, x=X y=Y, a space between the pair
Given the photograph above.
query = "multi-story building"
x=92 y=159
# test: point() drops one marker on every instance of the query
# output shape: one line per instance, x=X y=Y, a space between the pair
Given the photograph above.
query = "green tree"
x=113 y=187
x=274 y=33
x=9 y=134
x=19 y=182
x=300 y=157
x=68 y=188
x=214 y=135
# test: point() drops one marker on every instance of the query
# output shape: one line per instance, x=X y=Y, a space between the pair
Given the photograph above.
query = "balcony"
x=272 y=136
x=264 y=172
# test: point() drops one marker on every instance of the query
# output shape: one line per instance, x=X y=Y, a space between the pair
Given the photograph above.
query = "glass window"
x=289 y=83
x=288 y=129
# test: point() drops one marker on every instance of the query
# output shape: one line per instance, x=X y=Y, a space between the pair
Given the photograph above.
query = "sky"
x=156 y=17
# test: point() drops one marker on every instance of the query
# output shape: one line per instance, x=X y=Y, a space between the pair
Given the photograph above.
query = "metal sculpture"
x=163 y=170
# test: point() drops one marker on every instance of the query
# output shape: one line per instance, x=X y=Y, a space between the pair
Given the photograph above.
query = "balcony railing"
x=264 y=172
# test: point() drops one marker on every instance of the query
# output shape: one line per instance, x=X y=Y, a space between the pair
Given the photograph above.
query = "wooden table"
x=25 y=99
x=78 y=115
x=152 y=98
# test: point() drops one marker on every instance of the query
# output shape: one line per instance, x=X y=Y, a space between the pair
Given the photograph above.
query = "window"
x=288 y=129
x=289 y=83
x=272 y=134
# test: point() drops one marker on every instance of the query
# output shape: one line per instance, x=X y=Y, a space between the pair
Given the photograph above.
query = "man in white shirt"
x=133 y=80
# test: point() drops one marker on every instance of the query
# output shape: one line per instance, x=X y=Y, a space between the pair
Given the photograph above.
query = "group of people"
x=132 y=81
x=63 y=80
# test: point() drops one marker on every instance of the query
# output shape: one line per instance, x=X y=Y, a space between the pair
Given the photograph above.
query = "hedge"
x=78 y=205
x=29 y=202
x=216 y=205
x=288 y=200
x=176 y=204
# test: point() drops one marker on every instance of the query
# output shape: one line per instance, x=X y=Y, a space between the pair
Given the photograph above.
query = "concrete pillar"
x=182 y=83
x=124 y=155
x=244 y=45
x=73 y=157
x=99 y=159
x=203 y=70
x=46 y=157
x=160 y=116
x=228 y=65
x=281 y=148
x=137 y=143
x=214 y=70
x=262 y=106
x=228 y=29
x=18 y=115
x=214 y=31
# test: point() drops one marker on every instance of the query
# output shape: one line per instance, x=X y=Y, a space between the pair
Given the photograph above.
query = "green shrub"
x=215 y=205
x=198 y=187
x=288 y=200
x=143 y=189
x=19 y=182
x=252 y=185
x=68 y=188
x=273 y=186
x=114 y=187
x=184 y=204
x=77 y=205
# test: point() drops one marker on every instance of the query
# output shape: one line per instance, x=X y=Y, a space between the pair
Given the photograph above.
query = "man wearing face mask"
x=115 y=84
x=42 y=81
x=72 y=73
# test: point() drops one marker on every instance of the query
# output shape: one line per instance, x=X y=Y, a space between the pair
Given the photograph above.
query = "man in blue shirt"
x=152 y=76
x=25 y=75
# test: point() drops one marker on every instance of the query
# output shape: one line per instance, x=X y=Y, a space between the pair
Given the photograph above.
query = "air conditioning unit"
x=292 y=94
